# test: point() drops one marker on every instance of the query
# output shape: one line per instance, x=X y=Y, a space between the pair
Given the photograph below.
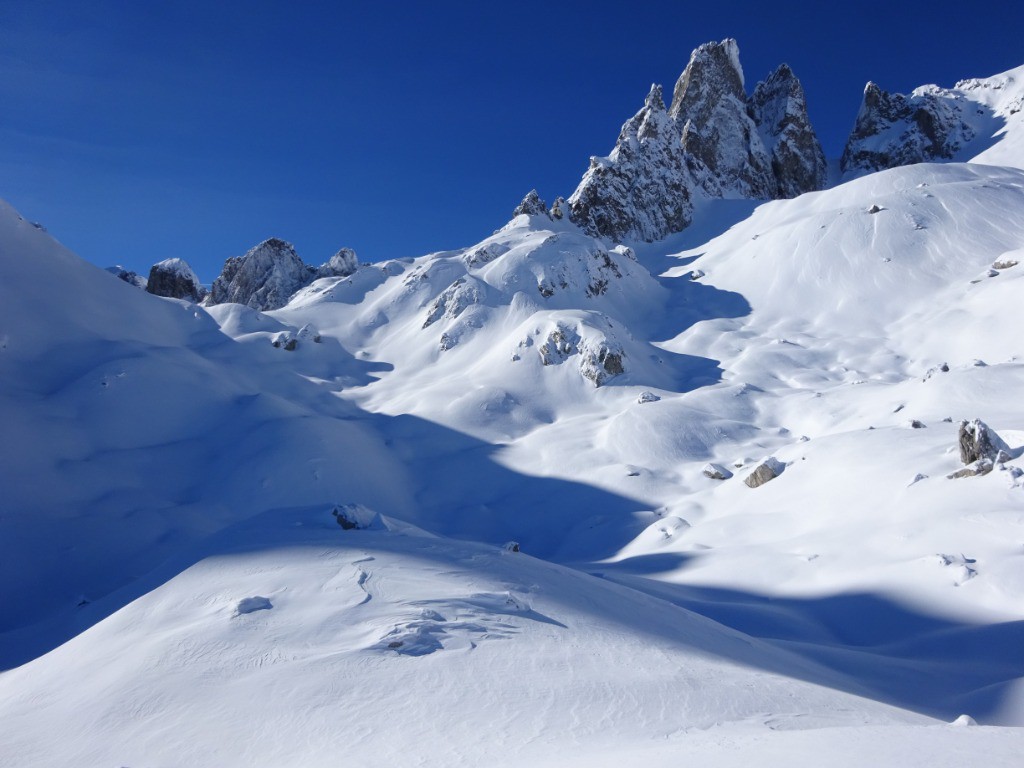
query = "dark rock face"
x=531 y=205
x=264 y=278
x=893 y=129
x=712 y=142
x=779 y=108
x=174 y=279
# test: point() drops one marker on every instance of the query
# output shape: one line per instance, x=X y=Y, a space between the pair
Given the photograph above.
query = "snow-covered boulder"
x=978 y=441
x=716 y=472
x=174 y=279
x=600 y=357
x=764 y=472
x=264 y=278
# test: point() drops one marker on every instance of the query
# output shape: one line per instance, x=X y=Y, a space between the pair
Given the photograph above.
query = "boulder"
x=717 y=472
x=977 y=440
x=174 y=279
x=764 y=472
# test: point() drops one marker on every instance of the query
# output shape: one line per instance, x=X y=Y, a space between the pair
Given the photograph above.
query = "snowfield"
x=176 y=590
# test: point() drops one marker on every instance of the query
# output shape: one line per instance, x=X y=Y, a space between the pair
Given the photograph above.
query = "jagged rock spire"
x=531 y=205
x=779 y=107
x=264 y=278
x=713 y=141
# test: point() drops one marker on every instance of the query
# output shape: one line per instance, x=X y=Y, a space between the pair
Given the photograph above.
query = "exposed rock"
x=980 y=467
x=174 y=279
x=711 y=142
x=132 y=278
x=977 y=441
x=557 y=211
x=356 y=517
x=285 y=341
x=875 y=208
x=996 y=265
x=893 y=130
x=511 y=546
x=643 y=189
x=915 y=424
x=718 y=472
x=779 y=108
x=764 y=472
x=532 y=205
x=341 y=264
x=264 y=278
x=454 y=300
x=484 y=254
x=600 y=358
x=647 y=397
x=252 y=604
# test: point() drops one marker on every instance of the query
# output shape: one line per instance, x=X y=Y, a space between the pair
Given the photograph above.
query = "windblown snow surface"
x=176 y=590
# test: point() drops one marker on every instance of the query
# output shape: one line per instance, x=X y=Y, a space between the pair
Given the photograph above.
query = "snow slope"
x=175 y=590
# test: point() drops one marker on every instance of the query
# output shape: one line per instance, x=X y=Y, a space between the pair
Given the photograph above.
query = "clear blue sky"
x=140 y=130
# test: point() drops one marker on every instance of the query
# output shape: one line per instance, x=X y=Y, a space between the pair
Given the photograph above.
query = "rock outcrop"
x=267 y=276
x=341 y=264
x=713 y=141
x=977 y=441
x=174 y=279
x=893 y=129
x=532 y=205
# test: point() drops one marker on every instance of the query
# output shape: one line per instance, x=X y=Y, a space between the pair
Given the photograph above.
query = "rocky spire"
x=779 y=108
x=711 y=105
x=713 y=141
x=643 y=189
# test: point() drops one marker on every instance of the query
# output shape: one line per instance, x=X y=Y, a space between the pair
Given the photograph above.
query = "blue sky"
x=138 y=131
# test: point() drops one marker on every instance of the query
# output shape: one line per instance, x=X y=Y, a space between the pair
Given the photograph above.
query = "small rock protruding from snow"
x=764 y=472
x=532 y=205
x=511 y=546
x=647 y=397
x=174 y=279
x=716 y=472
x=915 y=424
x=355 y=517
x=977 y=440
x=875 y=208
x=1007 y=264
x=286 y=341
x=977 y=469
x=132 y=278
x=918 y=478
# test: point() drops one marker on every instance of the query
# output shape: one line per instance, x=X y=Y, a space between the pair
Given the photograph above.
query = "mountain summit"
x=713 y=141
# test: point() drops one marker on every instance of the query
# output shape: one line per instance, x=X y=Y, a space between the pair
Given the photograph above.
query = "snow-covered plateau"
x=749 y=494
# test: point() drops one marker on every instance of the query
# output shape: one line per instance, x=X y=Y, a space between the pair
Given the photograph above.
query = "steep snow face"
x=264 y=278
x=712 y=142
x=779 y=108
x=174 y=278
x=978 y=120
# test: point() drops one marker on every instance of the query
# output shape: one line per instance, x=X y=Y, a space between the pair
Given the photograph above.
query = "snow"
x=490 y=508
